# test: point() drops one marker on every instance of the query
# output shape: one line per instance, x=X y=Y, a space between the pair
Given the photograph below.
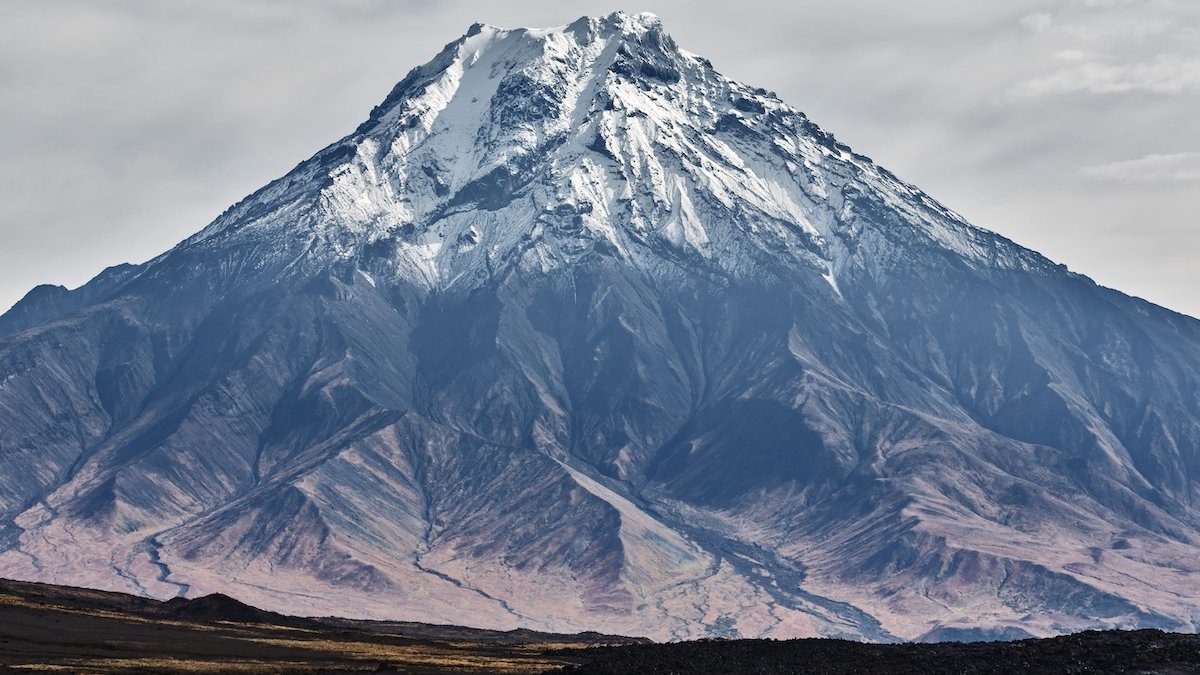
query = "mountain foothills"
x=574 y=333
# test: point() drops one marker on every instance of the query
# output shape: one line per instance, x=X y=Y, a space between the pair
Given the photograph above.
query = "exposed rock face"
x=575 y=333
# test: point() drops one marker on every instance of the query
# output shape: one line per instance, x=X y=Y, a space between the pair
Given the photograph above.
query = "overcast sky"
x=1070 y=126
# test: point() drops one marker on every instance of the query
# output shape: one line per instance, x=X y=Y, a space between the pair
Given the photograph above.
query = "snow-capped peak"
x=601 y=134
x=574 y=333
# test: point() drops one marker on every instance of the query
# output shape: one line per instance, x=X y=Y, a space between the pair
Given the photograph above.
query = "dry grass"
x=41 y=632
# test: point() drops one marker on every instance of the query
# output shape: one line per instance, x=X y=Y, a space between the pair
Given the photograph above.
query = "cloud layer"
x=1181 y=166
x=1169 y=74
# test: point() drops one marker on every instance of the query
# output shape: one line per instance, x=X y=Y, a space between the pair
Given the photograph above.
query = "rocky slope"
x=574 y=333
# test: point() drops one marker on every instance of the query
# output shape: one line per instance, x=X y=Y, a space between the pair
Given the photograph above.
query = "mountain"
x=574 y=333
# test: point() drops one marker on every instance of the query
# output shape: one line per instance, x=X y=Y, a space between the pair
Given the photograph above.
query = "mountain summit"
x=575 y=333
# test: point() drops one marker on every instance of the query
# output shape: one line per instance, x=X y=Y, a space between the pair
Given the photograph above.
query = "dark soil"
x=1142 y=651
x=46 y=627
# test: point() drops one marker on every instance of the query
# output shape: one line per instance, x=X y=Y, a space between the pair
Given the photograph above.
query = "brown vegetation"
x=55 y=628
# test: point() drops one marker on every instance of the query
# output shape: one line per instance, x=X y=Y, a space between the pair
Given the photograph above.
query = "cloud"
x=1167 y=74
x=1180 y=166
x=1038 y=22
x=1073 y=55
x=1120 y=26
x=1108 y=4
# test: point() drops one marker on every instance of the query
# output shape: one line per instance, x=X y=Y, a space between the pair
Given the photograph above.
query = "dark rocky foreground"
x=1140 y=651
x=44 y=627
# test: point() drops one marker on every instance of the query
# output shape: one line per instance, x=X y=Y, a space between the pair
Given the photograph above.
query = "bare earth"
x=57 y=628
x=48 y=628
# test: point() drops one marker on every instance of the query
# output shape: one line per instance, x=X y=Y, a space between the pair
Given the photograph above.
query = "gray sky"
x=1070 y=126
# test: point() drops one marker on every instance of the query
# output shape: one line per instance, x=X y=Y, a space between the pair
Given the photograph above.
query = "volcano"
x=575 y=333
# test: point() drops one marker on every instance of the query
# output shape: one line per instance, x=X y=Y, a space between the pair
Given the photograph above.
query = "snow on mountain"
x=602 y=132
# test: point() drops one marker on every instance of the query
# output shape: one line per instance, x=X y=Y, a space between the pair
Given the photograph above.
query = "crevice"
x=425 y=547
x=152 y=546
